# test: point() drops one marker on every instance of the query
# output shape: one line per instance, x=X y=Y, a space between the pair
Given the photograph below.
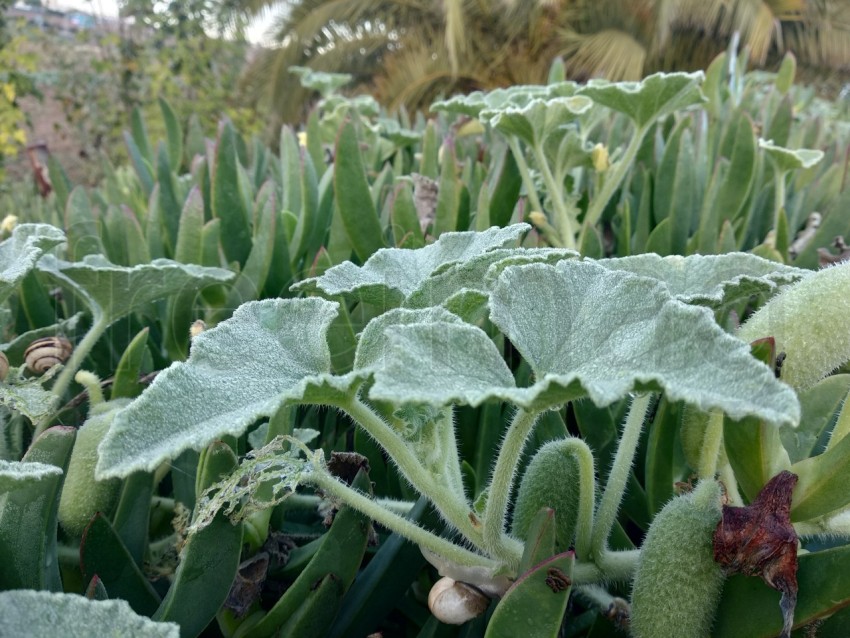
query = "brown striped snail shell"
x=42 y=354
x=4 y=366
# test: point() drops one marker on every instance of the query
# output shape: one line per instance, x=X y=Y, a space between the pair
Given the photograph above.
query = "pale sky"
x=110 y=8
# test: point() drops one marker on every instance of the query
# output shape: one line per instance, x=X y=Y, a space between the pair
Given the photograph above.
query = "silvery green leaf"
x=479 y=273
x=373 y=348
x=392 y=130
x=15 y=473
x=539 y=119
x=579 y=325
x=391 y=275
x=27 y=394
x=263 y=479
x=513 y=96
x=652 y=98
x=710 y=280
x=113 y=291
x=20 y=252
x=787 y=159
x=15 y=348
x=585 y=331
x=257 y=438
x=267 y=353
x=40 y=613
x=453 y=363
x=321 y=81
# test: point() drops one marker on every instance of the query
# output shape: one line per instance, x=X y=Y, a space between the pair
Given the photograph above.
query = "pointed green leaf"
x=822 y=482
x=787 y=159
x=34 y=613
x=114 y=291
x=710 y=280
x=141 y=165
x=353 y=198
x=391 y=275
x=653 y=98
x=276 y=349
x=819 y=404
x=536 y=602
x=19 y=253
x=227 y=203
x=174 y=135
x=29 y=496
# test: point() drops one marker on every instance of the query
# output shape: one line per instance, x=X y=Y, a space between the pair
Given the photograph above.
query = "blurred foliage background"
x=73 y=86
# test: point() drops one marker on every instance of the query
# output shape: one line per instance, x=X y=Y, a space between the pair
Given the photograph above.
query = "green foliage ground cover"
x=374 y=286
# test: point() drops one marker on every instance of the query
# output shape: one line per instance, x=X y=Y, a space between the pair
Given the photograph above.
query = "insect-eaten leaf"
x=759 y=540
x=264 y=479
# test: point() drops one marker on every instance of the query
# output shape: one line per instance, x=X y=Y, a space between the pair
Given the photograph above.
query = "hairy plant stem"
x=587 y=496
x=398 y=524
x=452 y=505
x=496 y=542
x=63 y=381
x=615 y=176
x=727 y=477
x=711 y=443
x=606 y=514
x=564 y=223
x=522 y=165
x=607 y=567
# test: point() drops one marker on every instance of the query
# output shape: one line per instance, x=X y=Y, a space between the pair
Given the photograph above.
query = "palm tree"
x=407 y=52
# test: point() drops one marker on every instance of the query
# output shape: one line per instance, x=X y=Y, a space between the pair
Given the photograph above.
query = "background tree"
x=408 y=51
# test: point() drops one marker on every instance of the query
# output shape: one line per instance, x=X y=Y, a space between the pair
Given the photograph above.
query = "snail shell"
x=4 y=366
x=42 y=354
x=454 y=603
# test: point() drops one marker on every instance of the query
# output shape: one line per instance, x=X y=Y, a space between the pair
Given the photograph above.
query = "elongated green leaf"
x=755 y=453
x=448 y=194
x=822 y=482
x=227 y=202
x=81 y=226
x=353 y=198
x=126 y=383
x=208 y=564
x=536 y=602
x=34 y=613
x=710 y=280
x=114 y=291
x=277 y=351
x=585 y=331
x=103 y=553
x=19 y=253
x=819 y=404
x=141 y=165
x=391 y=275
x=174 y=135
x=29 y=496
x=654 y=97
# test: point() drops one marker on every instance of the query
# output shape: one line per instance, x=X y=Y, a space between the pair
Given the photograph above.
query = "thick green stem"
x=711 y=442
x=496 y=542
x=608 y=567
x=398 y=524
x=564 y=222
x=619 y=475
x=451 y=505
x=615 y=176
x=587 y=497
x=522 y=165
x=73 y=364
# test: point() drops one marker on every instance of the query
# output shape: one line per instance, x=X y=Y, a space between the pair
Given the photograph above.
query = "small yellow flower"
x=20 y=136
x=599 y=156
x=537 y=218
x=8 y=224
x=9 y=91
x=302 y=138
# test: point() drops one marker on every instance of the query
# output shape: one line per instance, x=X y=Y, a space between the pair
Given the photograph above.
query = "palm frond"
x=610 y=53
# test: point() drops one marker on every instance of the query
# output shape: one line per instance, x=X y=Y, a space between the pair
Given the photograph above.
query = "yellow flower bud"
x=599 y=156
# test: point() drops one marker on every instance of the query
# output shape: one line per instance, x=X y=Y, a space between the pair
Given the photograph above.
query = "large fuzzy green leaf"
x=269 y=352
x=787 y=159
x=510 y=97
x=114 y=291
x=710 y=280
x=392 y=275
x=538 y=119
x=585 y=331
x=19 y=253
x=38 y=613
x=652 y=98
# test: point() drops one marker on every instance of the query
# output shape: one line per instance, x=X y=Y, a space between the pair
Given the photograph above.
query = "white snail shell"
x=4 y=366
x=455 y=603
x=42 y=354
